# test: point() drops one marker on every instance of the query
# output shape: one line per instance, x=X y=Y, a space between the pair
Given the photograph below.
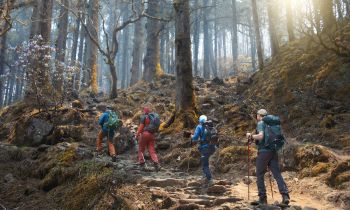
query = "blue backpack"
x=273 y=137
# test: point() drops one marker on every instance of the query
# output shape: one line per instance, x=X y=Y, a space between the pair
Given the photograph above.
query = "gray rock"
x=9 y=178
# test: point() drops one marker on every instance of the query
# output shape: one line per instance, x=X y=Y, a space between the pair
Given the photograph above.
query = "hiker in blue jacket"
x=204 y=148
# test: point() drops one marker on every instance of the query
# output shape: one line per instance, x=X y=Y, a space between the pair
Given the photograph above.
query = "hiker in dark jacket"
x=266 y=158
x=106 y=132
x=146 y=139
x=204 y=148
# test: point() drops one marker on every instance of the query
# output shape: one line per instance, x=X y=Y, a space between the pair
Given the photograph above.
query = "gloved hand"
x=193 y=143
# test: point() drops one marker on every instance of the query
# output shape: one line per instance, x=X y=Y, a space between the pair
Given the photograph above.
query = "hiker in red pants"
x=146 y=138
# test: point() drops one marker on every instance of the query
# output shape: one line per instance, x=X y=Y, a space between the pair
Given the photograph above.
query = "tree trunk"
x=327 y=14
x=185 y=99
x=61 y=46
x=82 y=35
x=125 y=51
x=113 y=72
x=137 y=53
x=3 y=41
x=197 y=25
x=257 y=35
x=339 y=9
x=252 y=42
x=234 y=37
x=272 y=28
x=290 y=23
x=347 y=7
x=76 y=33
x=316 y=8
x=93 y=24
x=206 y=60
x=152 y=67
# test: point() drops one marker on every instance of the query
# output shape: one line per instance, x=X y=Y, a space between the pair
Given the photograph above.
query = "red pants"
x=99 y=144
x=147 y=140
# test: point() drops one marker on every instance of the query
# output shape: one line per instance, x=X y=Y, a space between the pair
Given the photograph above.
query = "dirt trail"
x=176 y=189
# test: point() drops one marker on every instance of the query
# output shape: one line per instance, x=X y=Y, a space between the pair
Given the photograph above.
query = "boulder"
x=31 y=132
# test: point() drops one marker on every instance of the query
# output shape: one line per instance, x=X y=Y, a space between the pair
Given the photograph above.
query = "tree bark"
x=137 y=53
x=61 y=46
x=151 y=61
x=272 y=28
x=185 y=99
x=290 y=22
x=93 y=25
x=257 y=35
x=234 y=37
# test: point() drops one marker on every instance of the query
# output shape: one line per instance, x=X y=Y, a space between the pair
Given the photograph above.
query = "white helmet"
x=202 y=119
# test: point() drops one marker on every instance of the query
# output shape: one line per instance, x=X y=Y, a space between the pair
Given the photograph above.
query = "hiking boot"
x=285 y=199
x=261 y=201
x=210 y=183
x=114 y=158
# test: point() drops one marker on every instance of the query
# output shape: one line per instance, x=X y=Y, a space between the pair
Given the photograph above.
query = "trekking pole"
x=249 y=139
x=270 y=178
x=189 y=156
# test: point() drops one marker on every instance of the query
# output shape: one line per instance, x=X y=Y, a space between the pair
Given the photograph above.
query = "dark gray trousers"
x=264 y=160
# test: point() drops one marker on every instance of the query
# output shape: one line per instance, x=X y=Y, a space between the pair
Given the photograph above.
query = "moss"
x=320 y=168
x=340 y=174
x=310 y=155
x=232 y=155
x=88 y=191
x=68 y=157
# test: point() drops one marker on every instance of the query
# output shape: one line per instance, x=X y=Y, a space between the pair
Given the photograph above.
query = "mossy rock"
x=320 y=168
x=310 y=155
x=57 y=176
x=68 y=157
x=340 y=174
x=233 y=155
x=88 y=191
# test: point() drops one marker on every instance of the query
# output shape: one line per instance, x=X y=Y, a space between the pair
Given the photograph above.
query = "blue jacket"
x=103 y=119
x=200 y=135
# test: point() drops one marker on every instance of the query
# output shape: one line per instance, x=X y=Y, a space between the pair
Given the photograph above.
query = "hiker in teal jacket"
x=106 y=132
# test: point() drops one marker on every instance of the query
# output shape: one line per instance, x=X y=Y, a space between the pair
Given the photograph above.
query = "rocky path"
x=175 y=189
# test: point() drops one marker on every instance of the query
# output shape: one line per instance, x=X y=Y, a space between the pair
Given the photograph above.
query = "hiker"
x=205 y=148
x=109 y=122
x=149 y=124
x=267 y=158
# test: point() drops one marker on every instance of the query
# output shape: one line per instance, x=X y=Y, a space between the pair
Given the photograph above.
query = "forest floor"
x=48 y=160
x=65 y=173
